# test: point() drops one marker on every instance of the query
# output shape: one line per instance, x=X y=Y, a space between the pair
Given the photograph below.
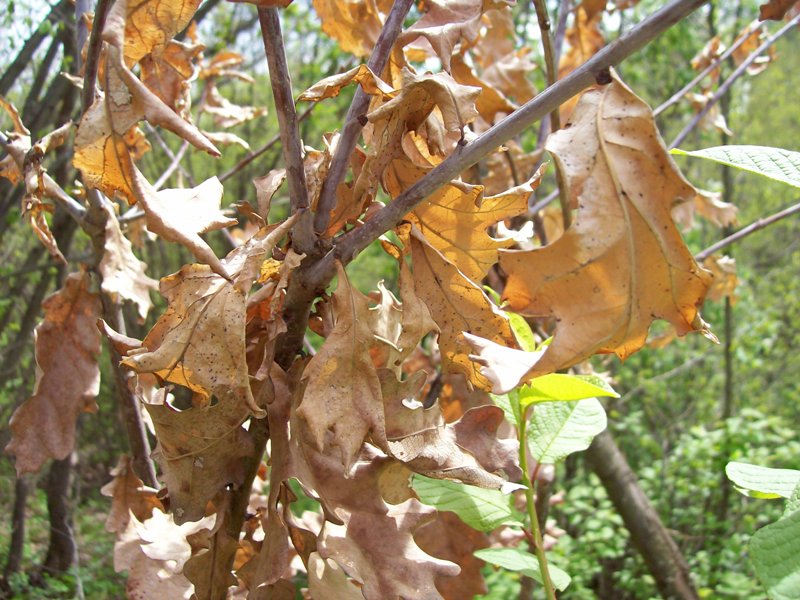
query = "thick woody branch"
x=726 y=85
x=281 y=81
x=358 y=109
x=745 y=231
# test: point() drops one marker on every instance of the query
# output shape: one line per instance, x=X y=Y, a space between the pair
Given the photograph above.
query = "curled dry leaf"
x=466 y=451
x=123 y=274
x=445 y=25
x=709 y=206
x=458 y=305
x=227 y=114
x=154 y=553
x=67 y=376
x=129 y=496
x=725 y=282
x=342 y=391
x=212 y=553
x=623 y=263
x=354 y=24
x=181 y=215
x=455 y=219
x=775 y=10
x=448 y=537
x=330 y=87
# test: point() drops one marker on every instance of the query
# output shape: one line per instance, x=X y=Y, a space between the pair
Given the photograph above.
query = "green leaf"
x=522 y=331
x=775 y=163
x=510 y=404
x=526 y=563
x=794 y=502
x=775 y=552
x=762 y=482
x=564 y=387
x=558 y=429
x=479 y=508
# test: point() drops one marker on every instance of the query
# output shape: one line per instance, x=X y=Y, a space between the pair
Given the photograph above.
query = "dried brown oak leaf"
x=342 y=391
x=775 y=10
x=181 y=215
x=330 y=87
x=154 y=553
x=458 y=305
x=445 y=25
x=123 y=273
x=213 y=550
x=467 y=451
x=448 y=537
x=623 y=263
x=355 y=24
x=374 y=541
x=128 y=496
x=199 y=342
x=67 y=376
x=455 y=218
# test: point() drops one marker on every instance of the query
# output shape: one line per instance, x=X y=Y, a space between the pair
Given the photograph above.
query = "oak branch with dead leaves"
x=427 y=166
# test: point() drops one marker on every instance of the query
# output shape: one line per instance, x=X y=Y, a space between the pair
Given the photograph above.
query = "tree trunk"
x=652 y=540
x=62 y=551
x=15 y=548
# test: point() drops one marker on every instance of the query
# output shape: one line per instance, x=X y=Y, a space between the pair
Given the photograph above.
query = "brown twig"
x=555 y=118
x=281 y=81
x=92 y=52
x=353 y=120
x=677 y=96
x=745 y=231
x=726 y=85
x=467 y=155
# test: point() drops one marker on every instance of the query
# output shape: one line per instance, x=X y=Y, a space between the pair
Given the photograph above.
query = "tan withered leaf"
x=154 y=553
x=226 y=113
x=455 y=218
x=343 y=393
x=623 y=263
x=708 y=205
x=169 y=74
x=67 y=376
x=448 y=537
x=448 y=23
x=491 y=101
x=181 y=215
x=212 y=552
x=373 y=541
x=123 y=273
x=725 y=282
x=355 y=24
x=199 y=342
x=327 y=580
x=420 y=439
x=457 y=305
x=128 y=496
x=149 y=25
x=330 y=87
x=775 y=10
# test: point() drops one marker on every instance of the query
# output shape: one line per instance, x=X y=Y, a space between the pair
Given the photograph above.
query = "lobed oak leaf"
x=623 y=263
x=330 y=87
x=154 y=553
x=342 y=392
x=67 y=376
x=709 y=206
x=129 y=496
x=448 y=24
x=326 y=579
x=147 y=26
x=212 y=553
x=754 y=37
x=455 y=218
x=355 y=24
x=449 y=538
x=490 y=101
x=123 y=274
x=457 y=305
x=169 y=74
x=466 y=451
x=181 y=215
